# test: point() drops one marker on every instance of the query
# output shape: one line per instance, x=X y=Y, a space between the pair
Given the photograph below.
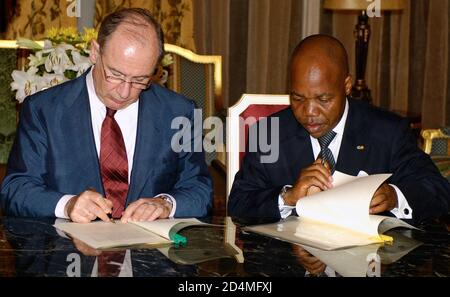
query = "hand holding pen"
x=88 y=206
x=107 y=202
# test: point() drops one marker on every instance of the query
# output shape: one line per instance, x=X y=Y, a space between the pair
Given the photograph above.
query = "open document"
x=336 y=218
x=104 y=235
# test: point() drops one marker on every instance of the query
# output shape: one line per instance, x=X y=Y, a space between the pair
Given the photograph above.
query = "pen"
x=111 y=218
x=109 y=214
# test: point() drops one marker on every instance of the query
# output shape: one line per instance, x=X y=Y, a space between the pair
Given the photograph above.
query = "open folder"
x=104 y=235
x=336 y=218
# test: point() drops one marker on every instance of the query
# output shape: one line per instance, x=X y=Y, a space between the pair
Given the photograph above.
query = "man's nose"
x=310 y=108
x=124 y=89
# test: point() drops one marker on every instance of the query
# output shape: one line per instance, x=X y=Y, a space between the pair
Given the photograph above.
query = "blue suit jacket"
x=389 y=147
x=54 y=153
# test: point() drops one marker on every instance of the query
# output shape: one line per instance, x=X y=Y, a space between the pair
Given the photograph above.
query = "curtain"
x=255 y=39
x=33 y=17
x=408 y=60
x=175 y=17
x=212 y=34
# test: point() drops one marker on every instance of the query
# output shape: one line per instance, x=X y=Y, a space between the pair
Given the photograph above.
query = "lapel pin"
x=360 y=147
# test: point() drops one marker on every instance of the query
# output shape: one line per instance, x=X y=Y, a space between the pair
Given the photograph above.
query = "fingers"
x=377 y=208
x=323 y=167
x=316 y=270
x=313 y=190
x=129 y=211
x=384 y=199
x=314 y=178
x=101 y=208
x=319 y=174
x=146 y=209
x=308 y=261
x=88 y=206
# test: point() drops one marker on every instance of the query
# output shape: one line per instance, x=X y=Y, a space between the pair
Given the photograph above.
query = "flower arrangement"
x=64 y=56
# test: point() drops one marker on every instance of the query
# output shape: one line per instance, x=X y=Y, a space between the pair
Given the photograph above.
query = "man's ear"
x=95 y=51
x=348 y=85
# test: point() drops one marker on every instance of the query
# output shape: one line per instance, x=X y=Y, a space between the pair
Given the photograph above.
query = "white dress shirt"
x=127 y=119
x=403 y=211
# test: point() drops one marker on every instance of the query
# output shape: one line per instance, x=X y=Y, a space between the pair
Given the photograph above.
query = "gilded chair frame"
x=233 y=128
x=22 y=56
x=8 y=44
x=212 y=106
x=428 y=136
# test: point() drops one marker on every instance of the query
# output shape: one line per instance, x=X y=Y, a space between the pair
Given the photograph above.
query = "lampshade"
x=363 y=4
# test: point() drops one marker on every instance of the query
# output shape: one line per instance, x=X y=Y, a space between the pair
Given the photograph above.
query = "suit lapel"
x=79 y=118
x=296 y=147
x=146 y=150
x=303 y=156
x=352 y=153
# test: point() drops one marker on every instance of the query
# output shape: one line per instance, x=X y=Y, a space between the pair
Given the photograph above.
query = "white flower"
x=36 y=60
x=80 y=63
x=58 y=61
x=166 y=60
x=26 y=83
x=48 y=46
x=51 y=80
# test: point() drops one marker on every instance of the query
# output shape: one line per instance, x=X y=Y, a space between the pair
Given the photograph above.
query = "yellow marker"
x=383 y=238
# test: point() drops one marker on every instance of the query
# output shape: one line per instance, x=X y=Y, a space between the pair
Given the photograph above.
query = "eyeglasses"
x=117 y=80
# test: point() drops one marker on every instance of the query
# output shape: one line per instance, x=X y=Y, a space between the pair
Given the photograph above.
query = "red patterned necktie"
x=113 y=163
x=110 y=263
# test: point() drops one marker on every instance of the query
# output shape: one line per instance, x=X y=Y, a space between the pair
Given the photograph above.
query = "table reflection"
x=33 y=247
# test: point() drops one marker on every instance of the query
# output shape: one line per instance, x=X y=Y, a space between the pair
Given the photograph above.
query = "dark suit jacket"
x=54 y=153
x=390 y=147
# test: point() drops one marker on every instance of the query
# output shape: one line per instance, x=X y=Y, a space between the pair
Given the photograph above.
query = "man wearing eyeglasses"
x=101 y=144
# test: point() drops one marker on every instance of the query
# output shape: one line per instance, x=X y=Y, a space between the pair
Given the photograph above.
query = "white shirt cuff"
x=61 y=205
x=403 y=211
x=174 y=203
x=285 y=210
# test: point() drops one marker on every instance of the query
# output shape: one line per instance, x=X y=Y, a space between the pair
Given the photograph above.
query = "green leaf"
x=70 y=74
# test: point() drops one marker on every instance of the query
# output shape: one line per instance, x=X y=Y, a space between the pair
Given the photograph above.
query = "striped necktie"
x=325 y=152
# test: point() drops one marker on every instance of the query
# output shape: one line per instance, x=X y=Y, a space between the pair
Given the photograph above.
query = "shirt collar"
x=339 y=129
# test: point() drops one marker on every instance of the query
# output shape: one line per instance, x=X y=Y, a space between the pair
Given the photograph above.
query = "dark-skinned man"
x=322 y=123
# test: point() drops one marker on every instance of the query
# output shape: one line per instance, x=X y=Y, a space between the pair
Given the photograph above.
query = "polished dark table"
x=32 y=247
